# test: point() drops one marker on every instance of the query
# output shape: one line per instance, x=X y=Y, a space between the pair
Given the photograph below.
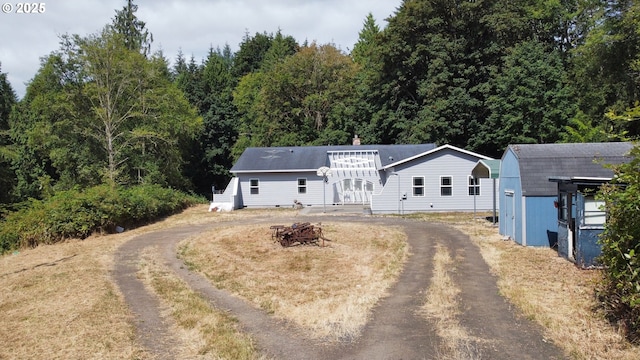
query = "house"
x=527 y=197
x=382 y=178
x=581 y=218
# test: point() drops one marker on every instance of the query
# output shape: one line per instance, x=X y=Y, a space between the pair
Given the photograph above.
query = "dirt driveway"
x=395 y=330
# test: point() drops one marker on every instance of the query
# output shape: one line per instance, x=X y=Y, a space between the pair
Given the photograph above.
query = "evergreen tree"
x=7 y=176
x=135 y=36
x=532 y=102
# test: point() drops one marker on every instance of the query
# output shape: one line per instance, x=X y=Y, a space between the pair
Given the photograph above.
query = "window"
x=446 y=186
x=474 y=186
x=302 y=186
x=563 y=211
x=254 y=186
x=593 y=211
x=418 y=186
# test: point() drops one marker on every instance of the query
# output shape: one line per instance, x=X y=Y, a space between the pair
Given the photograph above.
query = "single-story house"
x=527 y=197
x=382 y=178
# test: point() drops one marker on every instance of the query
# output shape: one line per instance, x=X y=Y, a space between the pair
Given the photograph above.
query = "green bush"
x=619 y=290
x=78 y=214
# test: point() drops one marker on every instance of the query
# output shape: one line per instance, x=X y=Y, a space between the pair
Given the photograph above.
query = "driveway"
x=395 y=331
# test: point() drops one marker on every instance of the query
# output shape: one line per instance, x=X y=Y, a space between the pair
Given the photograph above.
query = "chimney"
x=356 y=140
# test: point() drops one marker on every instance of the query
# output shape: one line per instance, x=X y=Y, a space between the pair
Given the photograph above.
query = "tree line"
x=104 y=109
x=475 y=74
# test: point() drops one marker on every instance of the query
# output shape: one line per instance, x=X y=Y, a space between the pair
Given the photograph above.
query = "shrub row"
x=78 y=214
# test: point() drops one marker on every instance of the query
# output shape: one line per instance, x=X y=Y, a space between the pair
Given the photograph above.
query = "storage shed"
x=526 y=196
x=581 y=218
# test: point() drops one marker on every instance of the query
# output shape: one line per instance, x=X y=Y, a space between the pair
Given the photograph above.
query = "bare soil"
x=396 y=329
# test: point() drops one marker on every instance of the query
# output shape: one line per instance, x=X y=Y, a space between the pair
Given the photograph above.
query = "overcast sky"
x=190 y=25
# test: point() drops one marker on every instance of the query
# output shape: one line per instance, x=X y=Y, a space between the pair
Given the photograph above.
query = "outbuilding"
x=581 y=218
x=527 y=198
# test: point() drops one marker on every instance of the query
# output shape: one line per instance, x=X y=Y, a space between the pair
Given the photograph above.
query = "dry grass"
x=549 y=290
x=205 y=332
x=441 y=305
x=327 y=290
x=59 y=302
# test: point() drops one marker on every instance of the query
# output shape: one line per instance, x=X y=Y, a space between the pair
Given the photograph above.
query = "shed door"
x=510 y=217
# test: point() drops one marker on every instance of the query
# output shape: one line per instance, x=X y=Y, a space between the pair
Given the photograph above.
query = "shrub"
x=619 y=290
x=78 y=214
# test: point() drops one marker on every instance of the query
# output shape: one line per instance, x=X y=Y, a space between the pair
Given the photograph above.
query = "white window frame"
x=416 y=187
x=450 y=186
x=474 y=183
x=593 y=214
x=254 y=189
x=302 y=187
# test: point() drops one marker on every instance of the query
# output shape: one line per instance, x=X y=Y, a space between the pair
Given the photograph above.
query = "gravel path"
x=395 y=330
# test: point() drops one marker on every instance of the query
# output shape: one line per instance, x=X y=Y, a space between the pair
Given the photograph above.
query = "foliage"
x=301 y=100
x=132 y=29
x=99 y=112
x=532 y=101
x=79 y=213
x=7 y=176
x=619 y=291
x=602 y=66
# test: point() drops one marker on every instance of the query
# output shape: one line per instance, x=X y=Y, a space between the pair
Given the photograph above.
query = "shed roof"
x=310 y=158
x=540 y=162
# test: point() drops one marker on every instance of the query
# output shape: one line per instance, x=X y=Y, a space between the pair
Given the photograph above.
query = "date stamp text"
x=24 y=8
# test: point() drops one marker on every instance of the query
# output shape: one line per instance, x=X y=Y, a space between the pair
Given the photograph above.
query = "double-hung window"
x=418 y=186
x=474 y=186
x=446 y=186
x=254 y=186
x=302 y=186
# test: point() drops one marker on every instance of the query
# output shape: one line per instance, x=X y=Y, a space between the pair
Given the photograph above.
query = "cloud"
x=190 y=26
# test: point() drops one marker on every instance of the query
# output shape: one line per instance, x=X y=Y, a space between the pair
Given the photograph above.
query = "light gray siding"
x=281 y=189
x=432 y=167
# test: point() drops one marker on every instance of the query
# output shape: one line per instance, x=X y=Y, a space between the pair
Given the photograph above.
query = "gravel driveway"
x=395 y=330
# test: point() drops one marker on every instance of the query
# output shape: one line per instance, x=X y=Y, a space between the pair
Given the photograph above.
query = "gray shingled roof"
x=310 y=158
x=539 y=162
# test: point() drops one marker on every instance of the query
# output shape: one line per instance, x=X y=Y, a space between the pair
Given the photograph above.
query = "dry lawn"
x=58 y=301
x=204 y=332
x=328 y=291
x=547 y=289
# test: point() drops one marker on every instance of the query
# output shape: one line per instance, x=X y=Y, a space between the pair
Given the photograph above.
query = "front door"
x=353 y=191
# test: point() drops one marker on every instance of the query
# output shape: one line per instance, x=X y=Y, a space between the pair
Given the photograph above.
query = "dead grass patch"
x=549 y=290
x=204 y=331
x=441 y=305
x=327 y=290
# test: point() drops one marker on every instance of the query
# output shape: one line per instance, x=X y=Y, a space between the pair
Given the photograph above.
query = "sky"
x=190 y=26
